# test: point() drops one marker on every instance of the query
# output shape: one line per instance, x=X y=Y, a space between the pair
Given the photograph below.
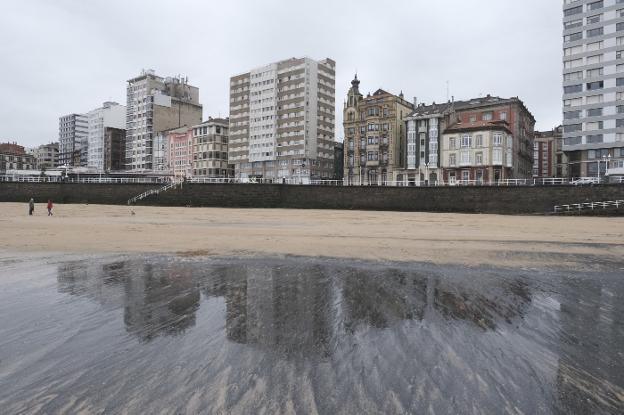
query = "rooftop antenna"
x=448 y=93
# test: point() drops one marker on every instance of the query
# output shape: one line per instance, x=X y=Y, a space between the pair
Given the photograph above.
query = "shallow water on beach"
x=198 y=335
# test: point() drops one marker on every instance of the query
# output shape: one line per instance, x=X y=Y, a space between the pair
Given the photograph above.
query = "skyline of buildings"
x=282 y=122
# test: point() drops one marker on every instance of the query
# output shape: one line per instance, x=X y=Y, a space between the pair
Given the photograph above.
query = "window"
x=572 y=141
x=487 y=116
x=620 y=109
x=573 y=76
x=465 y=158
x=452 y=144
x=572 y=127
x=573 y=37
x=594 y=73
x=497 y=156
x=593 y=99
x=466 y=141
x=594 y=19
x=466 y=175
x=592 y=126
x=473 y=118
x=619 y=123
x=498 y=139
x=572 y=11
x=594 y=59
x=503 y=115
x=571 y=89
x=619 y=82
x=591 y=86
x=594 y=46
x=594 y=112
x=594 y=139
x=479 y=159
x=452 y=160
x=595 y=5
x=573 y=63
x=599 y=31
x=571 y=115
x=479 y=140
x=572 y=24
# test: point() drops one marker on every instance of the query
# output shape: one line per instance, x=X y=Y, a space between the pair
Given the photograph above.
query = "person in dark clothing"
x=31 y=206
x=50 y=206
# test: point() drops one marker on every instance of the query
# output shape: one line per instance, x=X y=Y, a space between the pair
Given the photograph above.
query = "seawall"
x=502 y=200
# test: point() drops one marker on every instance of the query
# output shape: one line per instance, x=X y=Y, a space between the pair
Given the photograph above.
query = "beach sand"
x=525 y=241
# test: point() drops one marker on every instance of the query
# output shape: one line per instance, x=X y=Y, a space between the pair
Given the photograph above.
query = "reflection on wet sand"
x=304 y=336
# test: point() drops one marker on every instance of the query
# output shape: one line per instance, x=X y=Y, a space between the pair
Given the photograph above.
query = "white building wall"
x=110 y=115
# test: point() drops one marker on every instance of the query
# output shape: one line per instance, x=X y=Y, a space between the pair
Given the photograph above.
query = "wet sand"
x=521 y=241
x=143 y=334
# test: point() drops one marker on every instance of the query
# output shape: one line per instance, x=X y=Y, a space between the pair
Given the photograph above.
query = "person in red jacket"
x=50 y=206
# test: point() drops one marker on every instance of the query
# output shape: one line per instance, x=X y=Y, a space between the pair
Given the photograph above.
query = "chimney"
x=415 y=102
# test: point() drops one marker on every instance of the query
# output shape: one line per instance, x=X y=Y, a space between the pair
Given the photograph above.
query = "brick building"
x=14 y=157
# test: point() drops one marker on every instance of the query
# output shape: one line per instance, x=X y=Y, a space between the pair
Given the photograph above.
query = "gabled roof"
x=427 y=110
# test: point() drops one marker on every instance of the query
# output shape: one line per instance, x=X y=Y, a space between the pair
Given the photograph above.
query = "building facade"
x=282 y=120
x=374 y=144
x=520 y=122
x=593 y=84
x=156 y=104
x=114 y=149
x=14 y=157
x=73 y=139
x=548 y=159
x=46 y=156
x=478 y=152
x=180 y=152
x=425 y=126
x=109 y=115
x=210 y=149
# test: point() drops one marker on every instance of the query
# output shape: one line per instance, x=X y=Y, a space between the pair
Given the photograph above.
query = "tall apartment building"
x=46 y=156
x=374 y=129
x=109 y=115
x=593 y=84
x=282 y=120
x=156 y=104
x=210 y=149
x=73 y=139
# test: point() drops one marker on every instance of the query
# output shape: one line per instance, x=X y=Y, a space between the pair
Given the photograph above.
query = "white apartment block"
x=156 y=104
x=73 y=137
x=111 y=114
x=282 y=120
x=593 y=85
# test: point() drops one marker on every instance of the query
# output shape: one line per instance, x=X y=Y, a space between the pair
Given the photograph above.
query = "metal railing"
x=579 y=207
x=580 y=181
x=150 y=192
x=90 y=180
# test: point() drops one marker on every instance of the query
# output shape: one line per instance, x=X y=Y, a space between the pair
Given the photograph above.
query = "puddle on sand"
x=181 y=335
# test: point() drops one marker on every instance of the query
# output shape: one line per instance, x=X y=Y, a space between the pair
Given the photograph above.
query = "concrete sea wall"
x=503 y=200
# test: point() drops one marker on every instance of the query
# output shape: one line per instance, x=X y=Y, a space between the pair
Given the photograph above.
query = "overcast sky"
x=65 y=56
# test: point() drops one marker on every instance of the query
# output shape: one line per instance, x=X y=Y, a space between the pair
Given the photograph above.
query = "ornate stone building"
x=374 y=129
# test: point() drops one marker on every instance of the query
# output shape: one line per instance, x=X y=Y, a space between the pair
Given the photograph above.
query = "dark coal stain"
x=154 y=334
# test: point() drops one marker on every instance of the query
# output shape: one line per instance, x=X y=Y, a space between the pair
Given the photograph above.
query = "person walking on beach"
x=31 y=206
x=50 y=206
